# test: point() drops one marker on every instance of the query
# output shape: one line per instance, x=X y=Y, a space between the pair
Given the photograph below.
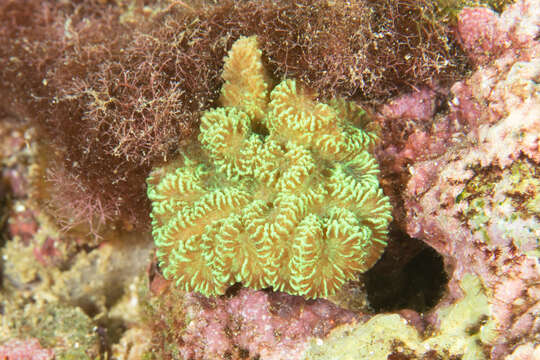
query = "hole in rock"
x=410 y=275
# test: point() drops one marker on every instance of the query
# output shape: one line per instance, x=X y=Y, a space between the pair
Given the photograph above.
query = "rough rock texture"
x=525 y=352
x=60 y=297
x=250 y=324
x=462 y=332
x=485 y=35
x=66 y=330
x=472 y=175
x=29 y=349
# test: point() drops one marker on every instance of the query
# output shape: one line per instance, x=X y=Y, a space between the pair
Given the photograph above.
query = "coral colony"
x=288 y=196
x=270 y=179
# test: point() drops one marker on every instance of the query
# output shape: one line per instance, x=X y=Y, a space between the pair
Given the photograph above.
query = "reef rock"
x=472 y=178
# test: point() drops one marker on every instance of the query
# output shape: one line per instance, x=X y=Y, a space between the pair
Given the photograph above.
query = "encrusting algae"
x=284 y=192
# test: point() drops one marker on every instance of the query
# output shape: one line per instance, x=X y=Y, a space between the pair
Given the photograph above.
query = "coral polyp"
x=283 y=192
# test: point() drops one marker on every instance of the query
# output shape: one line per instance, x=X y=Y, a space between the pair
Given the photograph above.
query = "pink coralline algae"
x=485 y=35
x=419 y=105
x=28 y=349
x=481 y=36
x=258 y=323
x=24 y=225
x=472 y=190
x=414 y=130
x=410 y=131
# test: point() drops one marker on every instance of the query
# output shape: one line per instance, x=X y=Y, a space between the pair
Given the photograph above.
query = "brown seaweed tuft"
x=116 y=88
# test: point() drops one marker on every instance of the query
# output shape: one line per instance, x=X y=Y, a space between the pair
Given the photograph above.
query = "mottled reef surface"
x=459 y=159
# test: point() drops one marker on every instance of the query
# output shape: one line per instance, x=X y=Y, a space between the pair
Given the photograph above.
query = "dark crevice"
x=410 y=275
x=233 y=290
x=4 y=213
x=5 y=196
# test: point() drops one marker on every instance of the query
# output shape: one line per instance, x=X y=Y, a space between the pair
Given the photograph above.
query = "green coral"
x=288 y=199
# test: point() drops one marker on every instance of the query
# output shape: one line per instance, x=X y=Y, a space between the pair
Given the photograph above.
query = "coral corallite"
x=283 y=191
